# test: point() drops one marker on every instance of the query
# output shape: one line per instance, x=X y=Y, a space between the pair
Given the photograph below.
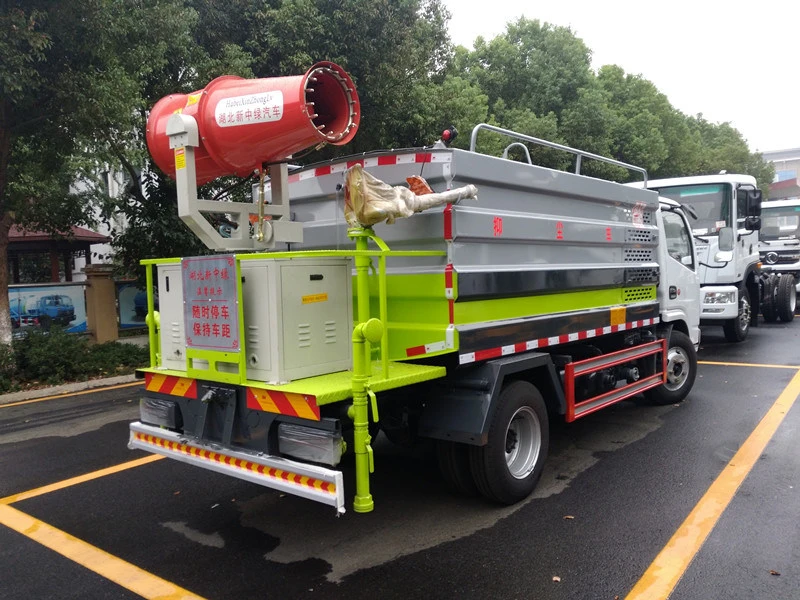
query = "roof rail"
x=579 y=154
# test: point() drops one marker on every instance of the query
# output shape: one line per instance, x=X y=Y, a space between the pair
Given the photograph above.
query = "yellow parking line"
x=60 y=485
x=737 y=364
x=87 y=391
x=666 y=570
x=115 y=569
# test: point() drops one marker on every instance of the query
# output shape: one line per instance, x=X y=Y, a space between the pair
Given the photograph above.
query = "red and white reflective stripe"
x=426 y=349
x=448 y=293
x=448 y=222
x=448 y=281
x=479 y=355
x=374 y=161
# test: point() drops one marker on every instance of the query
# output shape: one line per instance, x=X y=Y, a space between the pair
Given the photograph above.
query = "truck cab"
x=725 y=213
x=678 y=290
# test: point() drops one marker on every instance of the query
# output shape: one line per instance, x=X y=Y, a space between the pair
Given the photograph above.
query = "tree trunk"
x=5 y=221
x=5 y=313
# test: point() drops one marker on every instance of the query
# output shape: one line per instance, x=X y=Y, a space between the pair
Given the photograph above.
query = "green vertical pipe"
x=151 y=313
x=361 y=372
x=362 y=287
x=382 y=300
x=383 y=315
x=359 y=413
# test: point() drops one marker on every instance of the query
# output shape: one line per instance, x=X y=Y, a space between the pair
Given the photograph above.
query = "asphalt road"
x=620 y=487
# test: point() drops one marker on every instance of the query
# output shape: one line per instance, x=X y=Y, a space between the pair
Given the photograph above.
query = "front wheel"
x=681 y=371
x=786 y=297
x=736 y=329
x=508 y=467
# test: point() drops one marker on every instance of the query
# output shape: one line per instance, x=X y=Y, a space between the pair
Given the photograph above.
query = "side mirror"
x=752 y=223
x=753 y=203
x=726 y=239
x=725 y=253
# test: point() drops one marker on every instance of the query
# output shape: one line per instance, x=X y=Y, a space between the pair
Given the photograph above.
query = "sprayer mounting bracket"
x=182 y=131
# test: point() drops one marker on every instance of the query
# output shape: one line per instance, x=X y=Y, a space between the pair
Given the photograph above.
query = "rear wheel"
x=768 y=305
x=786 y=297
x=453 y=459
x=736 y=329
x=508 y=467
x=681 y=371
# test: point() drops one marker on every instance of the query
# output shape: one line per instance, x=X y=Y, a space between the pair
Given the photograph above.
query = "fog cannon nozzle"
x=244 y=123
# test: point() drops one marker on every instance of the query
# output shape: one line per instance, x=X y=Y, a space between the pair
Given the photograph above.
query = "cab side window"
x=741 y=206
x=679 y=246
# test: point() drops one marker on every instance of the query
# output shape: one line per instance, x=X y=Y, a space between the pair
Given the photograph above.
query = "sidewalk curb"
x=67 y=388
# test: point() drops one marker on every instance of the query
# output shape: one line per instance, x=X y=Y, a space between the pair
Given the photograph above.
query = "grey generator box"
x=298 y=317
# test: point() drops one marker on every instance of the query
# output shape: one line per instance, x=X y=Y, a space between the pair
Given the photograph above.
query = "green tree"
x=455 y=102
x=391 y=48
x=74 y=78
x=648 y=131
x=396 y=52
x=208 y=43
x=537 y=78
x=152 y=226
x=590 y=124
x=532 y=65
x=724 y=148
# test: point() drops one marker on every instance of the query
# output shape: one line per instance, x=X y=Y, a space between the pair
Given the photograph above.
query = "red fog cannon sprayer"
x=237 y=126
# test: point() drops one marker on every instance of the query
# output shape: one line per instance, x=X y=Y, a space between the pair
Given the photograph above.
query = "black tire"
x=736 y=329
x=768 y=308
x=453 y=459
x=786 y=297
x=681 y=371
x=508 y=467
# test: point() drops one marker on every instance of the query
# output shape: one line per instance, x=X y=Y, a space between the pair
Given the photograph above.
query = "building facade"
x=787 y=168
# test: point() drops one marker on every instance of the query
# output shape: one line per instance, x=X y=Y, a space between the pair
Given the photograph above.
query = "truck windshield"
x=712 y=203
x=780 y=223
x=57 y=301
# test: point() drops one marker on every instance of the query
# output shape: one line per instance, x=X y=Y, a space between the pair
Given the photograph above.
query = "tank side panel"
x=533 y=238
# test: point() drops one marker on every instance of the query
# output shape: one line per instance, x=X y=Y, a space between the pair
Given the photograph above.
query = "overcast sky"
x=736 y=62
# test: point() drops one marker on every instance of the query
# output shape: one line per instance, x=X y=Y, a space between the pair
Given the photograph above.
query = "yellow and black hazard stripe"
x=303 y=406
x=237 y=463
x=171 y=384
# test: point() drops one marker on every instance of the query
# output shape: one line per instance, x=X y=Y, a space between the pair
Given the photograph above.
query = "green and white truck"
x=472 y=321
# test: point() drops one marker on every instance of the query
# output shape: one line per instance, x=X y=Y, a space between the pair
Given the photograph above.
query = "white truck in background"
x=726 y=211
x=779 y=246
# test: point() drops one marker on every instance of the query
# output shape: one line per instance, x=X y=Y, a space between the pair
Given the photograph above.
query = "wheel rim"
x=744 y=314
x=792 y=298
x=523 y=442
x=677 y=368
